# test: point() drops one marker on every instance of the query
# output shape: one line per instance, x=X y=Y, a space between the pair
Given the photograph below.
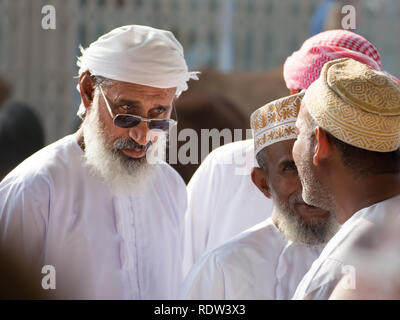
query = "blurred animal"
x=224 y=100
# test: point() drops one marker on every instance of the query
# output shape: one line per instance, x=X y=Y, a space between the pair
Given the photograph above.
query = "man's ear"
x=86 y=88
x=259 y=178
x=323 y=147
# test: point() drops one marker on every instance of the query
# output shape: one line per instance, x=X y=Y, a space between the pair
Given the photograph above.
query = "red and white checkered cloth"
x=303 y=67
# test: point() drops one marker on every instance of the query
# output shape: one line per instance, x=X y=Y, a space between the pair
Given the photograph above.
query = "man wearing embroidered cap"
x=231 y=205
x=92 y=204
x=348 y=158
x=268 y=260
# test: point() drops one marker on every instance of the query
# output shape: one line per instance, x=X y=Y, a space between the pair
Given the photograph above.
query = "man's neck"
x=354 y=194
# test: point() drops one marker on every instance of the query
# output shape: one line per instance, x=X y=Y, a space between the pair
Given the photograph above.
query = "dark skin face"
x=282 y=181
x=128 y=98
x=348 y=193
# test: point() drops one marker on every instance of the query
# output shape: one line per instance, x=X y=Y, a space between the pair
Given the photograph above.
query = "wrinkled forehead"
x=279 y=151
x=117 y=87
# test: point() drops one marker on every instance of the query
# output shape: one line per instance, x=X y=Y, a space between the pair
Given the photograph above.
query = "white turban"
x=138 y=54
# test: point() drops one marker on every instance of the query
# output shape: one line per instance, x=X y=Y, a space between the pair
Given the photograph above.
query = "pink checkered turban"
x=303 y=67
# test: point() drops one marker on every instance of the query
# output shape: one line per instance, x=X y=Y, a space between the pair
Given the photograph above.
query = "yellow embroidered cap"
x=356 y=104
x=275 y=121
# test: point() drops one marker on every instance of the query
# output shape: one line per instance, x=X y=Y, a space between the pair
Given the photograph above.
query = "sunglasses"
x=129 y=121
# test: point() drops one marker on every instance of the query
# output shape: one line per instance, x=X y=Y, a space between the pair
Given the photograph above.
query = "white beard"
x=123 y=175
x=296 y=229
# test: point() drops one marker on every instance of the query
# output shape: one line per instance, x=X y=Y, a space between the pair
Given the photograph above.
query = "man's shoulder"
x=321 y=279
x=334 y=261
x=225 y=153
x=378 y=213
x=234 y=159
x=250 y=242
x=236 y=146
x=39 y=167
x=363 y=221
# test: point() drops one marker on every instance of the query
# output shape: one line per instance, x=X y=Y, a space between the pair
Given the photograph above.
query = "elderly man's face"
x=118 y=155
x=314 y=191
x=139 y=100
x=297 y=220
x=285 y=183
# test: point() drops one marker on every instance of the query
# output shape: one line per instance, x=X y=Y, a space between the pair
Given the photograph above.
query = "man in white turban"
x=268 y=260
x=92 y=204
x=348 y=158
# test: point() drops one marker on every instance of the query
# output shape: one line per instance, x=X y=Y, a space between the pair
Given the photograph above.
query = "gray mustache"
x=122 y=143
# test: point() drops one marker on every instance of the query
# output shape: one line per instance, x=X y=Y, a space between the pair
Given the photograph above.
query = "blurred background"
x=239 y=45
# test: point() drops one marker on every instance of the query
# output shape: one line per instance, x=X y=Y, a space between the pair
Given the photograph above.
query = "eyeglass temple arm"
x=107 y=104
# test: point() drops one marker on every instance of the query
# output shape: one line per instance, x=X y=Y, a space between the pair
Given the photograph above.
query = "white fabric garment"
x=332 y=265
x=222 y=200
x=260 y=263
x=138 y=54
x=102 y=247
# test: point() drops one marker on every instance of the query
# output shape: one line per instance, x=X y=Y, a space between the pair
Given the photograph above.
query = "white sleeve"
x=205 y=281
x=319 y=284
x=24 y=207
x=201 y=191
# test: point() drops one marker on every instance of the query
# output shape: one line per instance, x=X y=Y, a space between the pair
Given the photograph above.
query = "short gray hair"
x=261 y=159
